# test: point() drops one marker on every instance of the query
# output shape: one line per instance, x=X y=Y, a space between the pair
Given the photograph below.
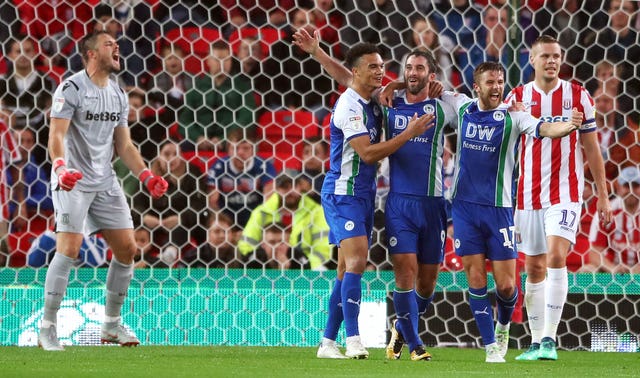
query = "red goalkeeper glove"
x=156 y=185
x=67 y=177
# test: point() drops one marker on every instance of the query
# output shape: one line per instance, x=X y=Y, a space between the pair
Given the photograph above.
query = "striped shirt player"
x=549 y=192
x=550 y=169
x=10 y=156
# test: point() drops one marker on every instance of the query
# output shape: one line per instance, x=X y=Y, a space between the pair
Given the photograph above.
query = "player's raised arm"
x=385 y=95
x=311 y=45
x=560 y=129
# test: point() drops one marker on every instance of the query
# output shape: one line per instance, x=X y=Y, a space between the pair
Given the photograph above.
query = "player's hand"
x=435 y=88
x=385 y=97
x=517 y=107
x=306 y=42
x=604 y=209
x=418 y=125
x=156 y=185
x=576 y=118
x=67 y=177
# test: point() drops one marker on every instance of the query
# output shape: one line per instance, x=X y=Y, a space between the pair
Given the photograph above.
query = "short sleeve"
x=350 y=119
x=526 y=123
x=65 y=100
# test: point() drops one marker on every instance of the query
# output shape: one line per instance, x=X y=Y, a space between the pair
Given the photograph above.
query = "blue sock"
x=406 y=311
x=482 y=313
x=335 y=317
x=351 y=296
x=423 y=304
x=506 y=307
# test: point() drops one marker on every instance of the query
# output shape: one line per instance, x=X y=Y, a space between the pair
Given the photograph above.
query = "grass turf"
x=219 y=361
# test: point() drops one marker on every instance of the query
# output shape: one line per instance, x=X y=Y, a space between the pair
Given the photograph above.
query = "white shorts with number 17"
x=533 y=226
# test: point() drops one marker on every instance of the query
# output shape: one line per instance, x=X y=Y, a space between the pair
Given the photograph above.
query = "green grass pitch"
x=218 y=361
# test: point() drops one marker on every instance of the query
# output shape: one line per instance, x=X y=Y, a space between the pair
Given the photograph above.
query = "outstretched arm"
x=311 y=45
x=371 y=153
x=560 y=129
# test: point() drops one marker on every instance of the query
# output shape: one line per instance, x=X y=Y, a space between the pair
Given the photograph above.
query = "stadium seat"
x=282 y=132
x=201 y=159
x=195 y=42
x=267 y=36
x=19 y=244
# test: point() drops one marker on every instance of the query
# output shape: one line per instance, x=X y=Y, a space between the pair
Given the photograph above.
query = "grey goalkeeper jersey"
x=94 y=112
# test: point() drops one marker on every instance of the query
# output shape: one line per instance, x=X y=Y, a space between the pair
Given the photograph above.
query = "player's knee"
x=425 y=287
x=536 y=270
x=126 y=252
x=506 y=290
x=356 y=265
x=476 y=278
x=557 y=260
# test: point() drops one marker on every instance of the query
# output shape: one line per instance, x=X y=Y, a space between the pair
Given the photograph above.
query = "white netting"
x=212 y=79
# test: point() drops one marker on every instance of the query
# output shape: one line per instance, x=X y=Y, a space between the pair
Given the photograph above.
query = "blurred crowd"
x=235 y=117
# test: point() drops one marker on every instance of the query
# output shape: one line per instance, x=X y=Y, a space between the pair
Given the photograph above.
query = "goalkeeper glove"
x=67 y=177
x=156 y=185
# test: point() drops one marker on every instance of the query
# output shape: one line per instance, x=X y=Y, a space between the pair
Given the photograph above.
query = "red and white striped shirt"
x=551 y=170
x=10 y=155
x=620 y=238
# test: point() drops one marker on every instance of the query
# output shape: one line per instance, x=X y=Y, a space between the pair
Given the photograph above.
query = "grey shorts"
x=89 y=212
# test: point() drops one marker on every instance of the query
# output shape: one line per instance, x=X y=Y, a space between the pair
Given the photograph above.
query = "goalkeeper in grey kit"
x=88 y=120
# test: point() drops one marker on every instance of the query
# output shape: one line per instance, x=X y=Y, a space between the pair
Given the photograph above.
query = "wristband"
x=57 y=163
x=145 y=175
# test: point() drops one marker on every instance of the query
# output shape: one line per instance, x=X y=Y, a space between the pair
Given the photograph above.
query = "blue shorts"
x=483 y=229
x=417 y=225
x=347 y=217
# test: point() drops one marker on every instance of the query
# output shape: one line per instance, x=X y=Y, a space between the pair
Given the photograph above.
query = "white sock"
x=534 y=301
x=118 y=279
x=353 y=339
x=503 y=327
x=328 y=342
x=556 y=296
x=55 y=287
